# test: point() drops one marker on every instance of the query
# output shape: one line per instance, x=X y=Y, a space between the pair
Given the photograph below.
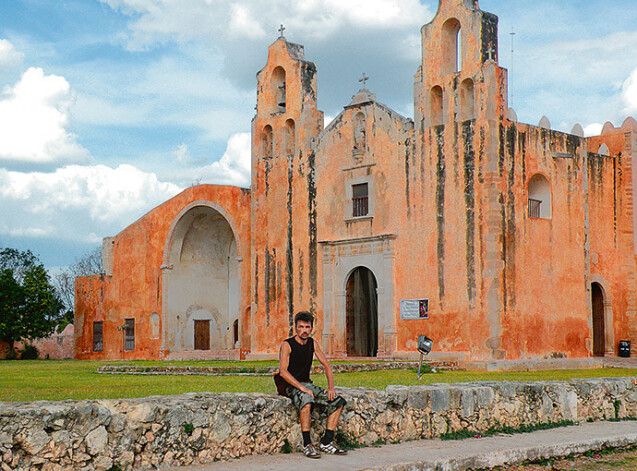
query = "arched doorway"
x=597 y=303
x=362 y=313
x=200 y=282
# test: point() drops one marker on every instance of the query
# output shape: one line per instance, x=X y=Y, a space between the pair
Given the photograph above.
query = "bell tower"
x=459 y=78
x=460 y=105
x=284 y=245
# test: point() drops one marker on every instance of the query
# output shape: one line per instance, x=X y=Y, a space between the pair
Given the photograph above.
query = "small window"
x=539 y=197
x=360 y=200
x=129 y=343
x=98 y=336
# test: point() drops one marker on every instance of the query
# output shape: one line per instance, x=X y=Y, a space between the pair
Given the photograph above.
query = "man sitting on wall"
x=295 y=361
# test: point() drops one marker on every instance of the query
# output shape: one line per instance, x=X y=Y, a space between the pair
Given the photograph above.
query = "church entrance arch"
x=200 y=281
x=599 y=331
x=362 y=313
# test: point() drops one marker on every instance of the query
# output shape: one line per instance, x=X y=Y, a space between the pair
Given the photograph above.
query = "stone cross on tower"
x=364 y=81
x=281 y=29
x=490 y=53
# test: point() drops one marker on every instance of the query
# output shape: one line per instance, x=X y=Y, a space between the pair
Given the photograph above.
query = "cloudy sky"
x=109 y=107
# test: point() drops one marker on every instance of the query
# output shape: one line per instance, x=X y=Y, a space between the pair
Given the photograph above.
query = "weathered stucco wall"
x=450 y=219
x=198 y=428
x=612 y=177
x=140 y=258
x=58 y=346
x=284 y=246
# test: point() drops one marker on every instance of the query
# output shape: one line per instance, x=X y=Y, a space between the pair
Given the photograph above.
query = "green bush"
x=29 y=352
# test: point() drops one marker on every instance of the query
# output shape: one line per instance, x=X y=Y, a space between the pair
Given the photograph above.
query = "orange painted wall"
x=134 y=289
x=449 y=193
x=284 y=258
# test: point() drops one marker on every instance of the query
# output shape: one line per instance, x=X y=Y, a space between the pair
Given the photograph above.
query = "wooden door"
x=202 y=335
x=599 y=344
x=361 y=314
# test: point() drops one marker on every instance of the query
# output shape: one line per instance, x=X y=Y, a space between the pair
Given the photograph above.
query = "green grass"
x=32 y=380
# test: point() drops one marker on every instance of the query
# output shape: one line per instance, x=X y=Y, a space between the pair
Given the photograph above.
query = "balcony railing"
x=361 y=207
x=534 y=208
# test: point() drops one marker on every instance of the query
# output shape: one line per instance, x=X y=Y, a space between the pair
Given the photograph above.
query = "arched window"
x=278 y=84
x=466 y=100
x=436 y=106
x=539 y=197
x=451 y=47
x=266 y=141
x=290 y=137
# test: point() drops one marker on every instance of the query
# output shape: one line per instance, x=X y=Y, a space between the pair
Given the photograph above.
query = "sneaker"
x=332 y=449
x=311 y=452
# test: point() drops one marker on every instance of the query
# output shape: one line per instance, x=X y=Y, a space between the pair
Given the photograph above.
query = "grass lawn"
x=32 y=380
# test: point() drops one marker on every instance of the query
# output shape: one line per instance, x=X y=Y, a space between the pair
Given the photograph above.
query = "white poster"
x=414 y=308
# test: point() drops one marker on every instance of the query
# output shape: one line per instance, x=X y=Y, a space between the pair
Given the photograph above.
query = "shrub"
x=29 y=352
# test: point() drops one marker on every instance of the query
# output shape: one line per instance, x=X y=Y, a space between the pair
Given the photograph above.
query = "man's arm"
x=331 y=394
x=284 y=361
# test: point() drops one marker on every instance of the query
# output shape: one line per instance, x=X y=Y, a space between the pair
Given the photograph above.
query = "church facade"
x=497 y=239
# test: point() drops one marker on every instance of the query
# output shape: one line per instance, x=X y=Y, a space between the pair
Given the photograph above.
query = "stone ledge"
x=266 y=370
x=156 y=432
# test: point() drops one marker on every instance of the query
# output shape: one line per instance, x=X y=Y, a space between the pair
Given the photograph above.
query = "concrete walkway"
x=437 y=455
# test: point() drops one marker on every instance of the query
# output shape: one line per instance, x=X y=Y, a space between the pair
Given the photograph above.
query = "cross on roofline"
x=281 y=29
x=364 y=80
x=490 y=53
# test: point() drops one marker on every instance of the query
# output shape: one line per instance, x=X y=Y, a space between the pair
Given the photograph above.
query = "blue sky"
x=110 y=107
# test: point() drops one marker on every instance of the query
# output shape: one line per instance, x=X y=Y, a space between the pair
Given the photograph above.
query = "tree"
x=29 y=306
x=89 y=264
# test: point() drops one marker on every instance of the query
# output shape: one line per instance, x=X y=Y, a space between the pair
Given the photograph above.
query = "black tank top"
x=301 y=359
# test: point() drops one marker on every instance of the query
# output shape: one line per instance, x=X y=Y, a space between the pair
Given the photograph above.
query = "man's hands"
x=306 y=391
x=331 y=394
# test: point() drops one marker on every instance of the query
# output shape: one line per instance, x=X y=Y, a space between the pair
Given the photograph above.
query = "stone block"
x=97 y=440
x=35 y=440
x=440 y=399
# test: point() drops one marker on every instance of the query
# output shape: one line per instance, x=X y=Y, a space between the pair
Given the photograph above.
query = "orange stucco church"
x=497 y=239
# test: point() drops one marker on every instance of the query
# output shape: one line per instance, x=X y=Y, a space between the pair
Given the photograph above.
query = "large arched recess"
x=201 y=280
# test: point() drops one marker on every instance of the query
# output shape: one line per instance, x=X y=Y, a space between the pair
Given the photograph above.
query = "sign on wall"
x=414 y=308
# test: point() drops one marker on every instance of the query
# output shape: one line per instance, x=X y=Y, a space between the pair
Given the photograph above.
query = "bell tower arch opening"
x=362 y=313
x=436 y=106
x=200 y=281
x=451 y=42
x=279 y=92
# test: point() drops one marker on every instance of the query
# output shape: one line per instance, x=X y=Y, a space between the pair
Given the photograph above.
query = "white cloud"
x=191 y=19
x=344 y=38
x=79 y=203
x=9 y=57
x=34 y=117
x=183 y=158
x=629 y=92
x=594 y=129
x=233 y=168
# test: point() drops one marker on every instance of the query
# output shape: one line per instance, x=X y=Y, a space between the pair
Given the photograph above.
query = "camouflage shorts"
x=301 y=399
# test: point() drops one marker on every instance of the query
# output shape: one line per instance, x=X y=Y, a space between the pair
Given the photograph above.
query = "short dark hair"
x=305 y=317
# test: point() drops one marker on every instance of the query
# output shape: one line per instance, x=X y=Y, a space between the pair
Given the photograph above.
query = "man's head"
x=303 y=324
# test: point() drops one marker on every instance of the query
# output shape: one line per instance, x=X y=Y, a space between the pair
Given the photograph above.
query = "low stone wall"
x=266 y=370
x=157 y=432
